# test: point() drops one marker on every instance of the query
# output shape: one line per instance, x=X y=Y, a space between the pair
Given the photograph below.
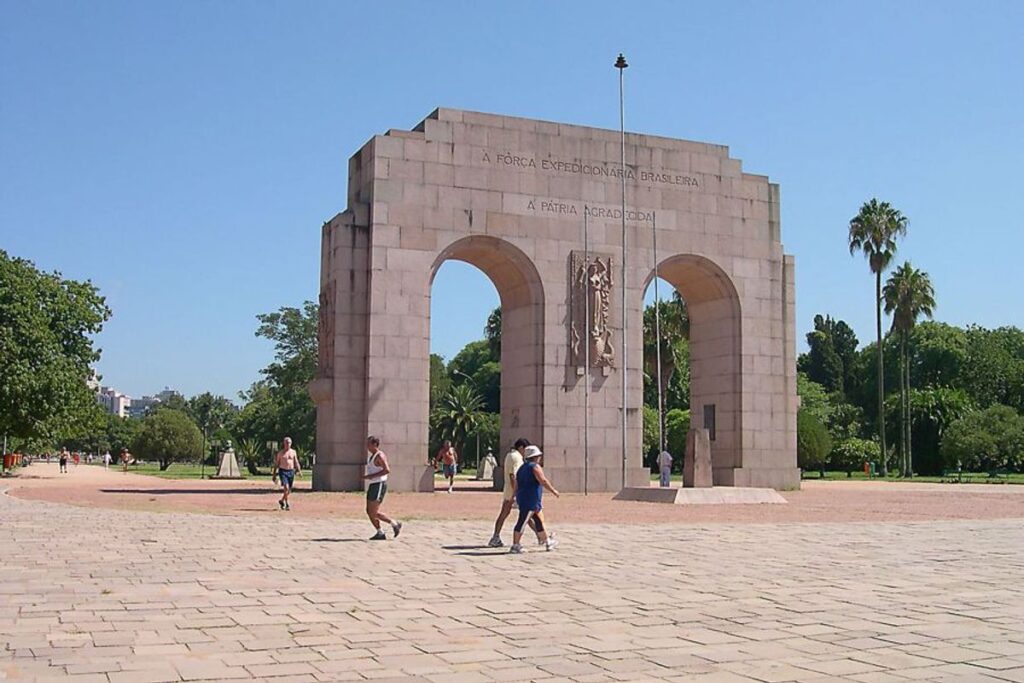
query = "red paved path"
x=855 y=501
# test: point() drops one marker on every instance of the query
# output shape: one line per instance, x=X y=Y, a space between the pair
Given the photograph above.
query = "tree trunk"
x=164 y=464
x=903 y=405
x=910 y=417
x=881 y=372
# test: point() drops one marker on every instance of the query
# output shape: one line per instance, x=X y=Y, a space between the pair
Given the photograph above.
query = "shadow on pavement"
x=220 y=492
x=336 y=540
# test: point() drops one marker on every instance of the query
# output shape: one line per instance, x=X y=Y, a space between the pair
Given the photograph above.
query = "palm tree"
x=908 y=295
x=458 y=414
x=873 y=231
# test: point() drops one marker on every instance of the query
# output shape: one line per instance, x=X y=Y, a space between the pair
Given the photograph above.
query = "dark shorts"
x=448 y=470
x=287 y=477
x=525 y=516
x=375 y=492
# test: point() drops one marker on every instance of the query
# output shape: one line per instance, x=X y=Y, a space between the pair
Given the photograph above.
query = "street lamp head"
x=620 y=63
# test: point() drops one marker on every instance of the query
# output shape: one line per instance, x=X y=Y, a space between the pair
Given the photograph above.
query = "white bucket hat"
x=532 y=452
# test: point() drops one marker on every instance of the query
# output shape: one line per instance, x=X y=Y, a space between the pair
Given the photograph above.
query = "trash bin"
x=8 y=461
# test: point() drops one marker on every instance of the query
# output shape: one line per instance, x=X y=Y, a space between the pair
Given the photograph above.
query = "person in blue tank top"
x=530 y=485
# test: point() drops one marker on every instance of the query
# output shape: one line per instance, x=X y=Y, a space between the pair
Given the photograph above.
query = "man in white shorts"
x=513 y=461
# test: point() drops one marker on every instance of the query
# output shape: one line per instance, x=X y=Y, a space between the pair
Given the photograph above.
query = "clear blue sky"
x=182 y=155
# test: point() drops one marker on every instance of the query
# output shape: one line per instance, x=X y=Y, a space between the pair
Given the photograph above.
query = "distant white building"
x=114 y=401
x=140 y=407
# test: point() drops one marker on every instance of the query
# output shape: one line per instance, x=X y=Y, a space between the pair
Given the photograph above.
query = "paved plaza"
x=111 y=595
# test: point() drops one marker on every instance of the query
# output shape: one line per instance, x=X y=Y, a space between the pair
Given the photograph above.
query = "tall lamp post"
x=621 y=65
x=477 y=387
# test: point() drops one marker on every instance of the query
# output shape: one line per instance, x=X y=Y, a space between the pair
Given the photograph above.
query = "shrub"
x=985 y=440
x=677 y=424
x=813 y=442
x=851 y=454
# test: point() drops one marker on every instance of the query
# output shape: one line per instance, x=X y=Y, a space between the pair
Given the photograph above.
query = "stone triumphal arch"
x=509 y=195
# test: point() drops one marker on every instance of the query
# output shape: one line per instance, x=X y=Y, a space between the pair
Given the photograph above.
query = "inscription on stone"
x=578 y=167
x=563 y=208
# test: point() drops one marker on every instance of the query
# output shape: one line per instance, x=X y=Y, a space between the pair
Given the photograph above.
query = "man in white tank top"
x=377 y=470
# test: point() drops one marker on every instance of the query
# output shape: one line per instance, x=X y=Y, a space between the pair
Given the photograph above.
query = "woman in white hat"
x=530 y=485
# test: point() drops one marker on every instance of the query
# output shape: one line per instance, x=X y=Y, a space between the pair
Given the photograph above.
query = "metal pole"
x=657 y=338
x=586 y=354
x=621 y=65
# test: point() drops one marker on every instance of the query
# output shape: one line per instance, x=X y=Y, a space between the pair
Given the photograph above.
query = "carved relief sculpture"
x=591 y=293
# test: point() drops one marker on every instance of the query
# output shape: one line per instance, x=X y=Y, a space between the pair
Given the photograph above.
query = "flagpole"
x=586 y=354
x=621 y=65
x=657 y=337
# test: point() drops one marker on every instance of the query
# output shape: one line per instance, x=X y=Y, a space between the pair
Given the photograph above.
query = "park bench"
x=998 y=476
x=954 y=477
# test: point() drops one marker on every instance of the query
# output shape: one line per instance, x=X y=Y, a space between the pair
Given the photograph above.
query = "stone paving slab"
x=113 y=595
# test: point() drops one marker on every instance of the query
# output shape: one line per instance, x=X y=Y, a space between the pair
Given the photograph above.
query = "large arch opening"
x=699 y=290
x=517 y=343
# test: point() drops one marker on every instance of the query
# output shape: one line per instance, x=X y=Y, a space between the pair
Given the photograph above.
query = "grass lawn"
x=967 y=478
x=178 y=470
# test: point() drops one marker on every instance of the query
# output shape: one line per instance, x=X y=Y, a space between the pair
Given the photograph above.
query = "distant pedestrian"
x=665 y=468
x=448 y=458
x=77 y=457
x=530 y=485
x=513 y=461
x=126 y=458
x=287 y=463
x=376 y=476
x=106 y=460
x=63 y=460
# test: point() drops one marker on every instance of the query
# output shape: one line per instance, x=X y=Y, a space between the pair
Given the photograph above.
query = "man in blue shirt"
x=530 y=485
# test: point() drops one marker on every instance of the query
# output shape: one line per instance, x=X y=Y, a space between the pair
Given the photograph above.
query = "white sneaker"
x=551 y=544
x=550 y=536
x=516 y=549
x=495 y=542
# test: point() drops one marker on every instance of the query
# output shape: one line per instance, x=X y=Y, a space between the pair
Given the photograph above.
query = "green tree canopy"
x=168 y=436
x=46 y=350
x=279 y=405
x=985 y=440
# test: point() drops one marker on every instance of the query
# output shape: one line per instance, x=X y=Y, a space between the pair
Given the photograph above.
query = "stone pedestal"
x=498 y=478
x=228 y=466
x=486 y=469
x=697 y=461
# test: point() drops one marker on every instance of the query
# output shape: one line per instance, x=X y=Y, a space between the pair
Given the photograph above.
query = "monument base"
x=718 y=495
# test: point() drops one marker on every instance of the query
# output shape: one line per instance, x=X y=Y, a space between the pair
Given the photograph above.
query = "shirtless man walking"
x=448 y=457
x=286 y=462
x=376 y=476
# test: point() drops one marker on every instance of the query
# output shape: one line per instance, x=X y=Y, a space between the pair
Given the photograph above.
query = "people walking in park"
x=63 y=460
x=106 y=460
x=376 y=476
x=513 y=461
x=287 y=467
x=530 y=485
x=448 y=458
x=665 y=468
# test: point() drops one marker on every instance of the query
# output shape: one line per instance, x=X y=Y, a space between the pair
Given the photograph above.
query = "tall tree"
x=675 y=333
x=279 y=405
x=46 y=351
x=908 y=295
x=873 y=232
x=832 y=352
